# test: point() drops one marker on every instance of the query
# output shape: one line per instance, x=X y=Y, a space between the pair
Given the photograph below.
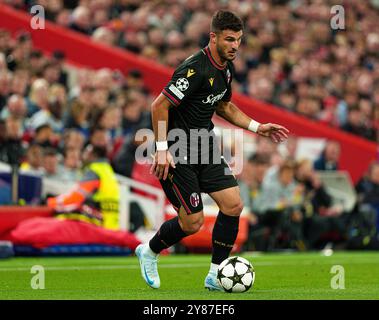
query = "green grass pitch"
x=278 y=276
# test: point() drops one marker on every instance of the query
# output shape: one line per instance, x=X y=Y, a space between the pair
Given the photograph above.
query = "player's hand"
x=161 y=163
x=275 y=132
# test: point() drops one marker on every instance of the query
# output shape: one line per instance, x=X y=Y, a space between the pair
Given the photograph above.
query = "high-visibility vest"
x=108 y=195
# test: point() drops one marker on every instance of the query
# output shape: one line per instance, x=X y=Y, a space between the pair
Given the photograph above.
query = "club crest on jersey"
x=190 y=72
x=211 y=81
x=182 y=84
x=194 y=199
x=228 y=75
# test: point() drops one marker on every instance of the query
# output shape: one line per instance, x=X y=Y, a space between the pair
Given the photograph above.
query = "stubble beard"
x=222 y=55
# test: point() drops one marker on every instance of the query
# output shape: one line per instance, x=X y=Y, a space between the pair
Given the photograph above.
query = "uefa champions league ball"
x=236 y=274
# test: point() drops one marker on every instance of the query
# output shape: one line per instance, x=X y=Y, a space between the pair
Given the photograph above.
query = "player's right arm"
x=162 y=159
x=186 y=80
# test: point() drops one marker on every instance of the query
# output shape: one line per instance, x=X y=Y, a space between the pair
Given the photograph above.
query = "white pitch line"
x=104 y=267
x=182 y=265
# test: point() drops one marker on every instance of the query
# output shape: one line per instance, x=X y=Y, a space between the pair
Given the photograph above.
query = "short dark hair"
x=226 y=20
x=49 y=152
x=42 y=127
x=96 y=128
x=99 y=151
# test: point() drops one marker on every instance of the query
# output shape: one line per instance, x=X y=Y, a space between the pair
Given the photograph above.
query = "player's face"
x=227 y=44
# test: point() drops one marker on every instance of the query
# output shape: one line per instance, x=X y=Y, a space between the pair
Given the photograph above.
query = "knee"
x=193 y=226
x=233 y=209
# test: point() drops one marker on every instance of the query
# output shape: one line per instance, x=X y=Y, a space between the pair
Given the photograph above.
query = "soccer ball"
x=236 y=274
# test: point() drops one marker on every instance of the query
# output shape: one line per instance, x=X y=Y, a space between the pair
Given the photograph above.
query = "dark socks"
x=169 y=233
x=224 y=235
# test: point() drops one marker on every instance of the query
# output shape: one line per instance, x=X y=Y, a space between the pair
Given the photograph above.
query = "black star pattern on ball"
x=235 y=278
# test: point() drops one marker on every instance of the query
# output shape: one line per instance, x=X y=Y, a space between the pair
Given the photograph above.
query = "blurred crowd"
x=49 y=113
x=290 y=55
x=291 y=207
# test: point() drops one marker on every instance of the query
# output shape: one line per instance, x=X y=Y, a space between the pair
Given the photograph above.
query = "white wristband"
x=161 y=145
x=253 y=126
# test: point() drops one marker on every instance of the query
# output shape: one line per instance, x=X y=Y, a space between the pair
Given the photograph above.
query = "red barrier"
x=357 y=153
x=11 y=216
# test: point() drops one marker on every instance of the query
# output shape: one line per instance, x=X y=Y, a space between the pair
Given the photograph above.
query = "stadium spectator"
x=51 y=116
x=52 y=9
x=356 y=124
x=104 y=35
x=329 y=157
x=58 y=58
x=124 y=159
x=58 y=92
x=368 y=188
x=364 y=222
x=38 y=97
x=36 y=63
x=13 y=148
x=20 y=52
x=72 y=138
x=289 y=149
x=3 y=62
x=134 y=115
x=20 y=82
x=110 y=120
x=44 y=136
x=51 y=72
x=34 y=159
x=70 y=169
x=78 y=116
x=250 y=184
x=95 y=199
x=63 y=18
x=100 y=137
x=5 y=81
x=134 y=80
x=280 y=201
x=50 y=161
x=81 y=20
x=15 y=109
x=323 y=221
x=3 y=137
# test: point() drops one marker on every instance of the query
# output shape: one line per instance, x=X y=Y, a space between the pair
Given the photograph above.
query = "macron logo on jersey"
x=214 y=98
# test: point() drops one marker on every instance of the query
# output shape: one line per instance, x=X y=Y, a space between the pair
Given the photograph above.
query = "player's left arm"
x=234 y=115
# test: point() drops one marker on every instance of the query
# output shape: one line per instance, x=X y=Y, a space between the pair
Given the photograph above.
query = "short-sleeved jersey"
x=195 y=90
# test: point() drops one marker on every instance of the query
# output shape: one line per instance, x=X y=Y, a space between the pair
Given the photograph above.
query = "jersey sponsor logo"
x=214 y=98
x=194 y=199
x=182 y=84
x=190 y=72
x=176 y=91
x=211 y=81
